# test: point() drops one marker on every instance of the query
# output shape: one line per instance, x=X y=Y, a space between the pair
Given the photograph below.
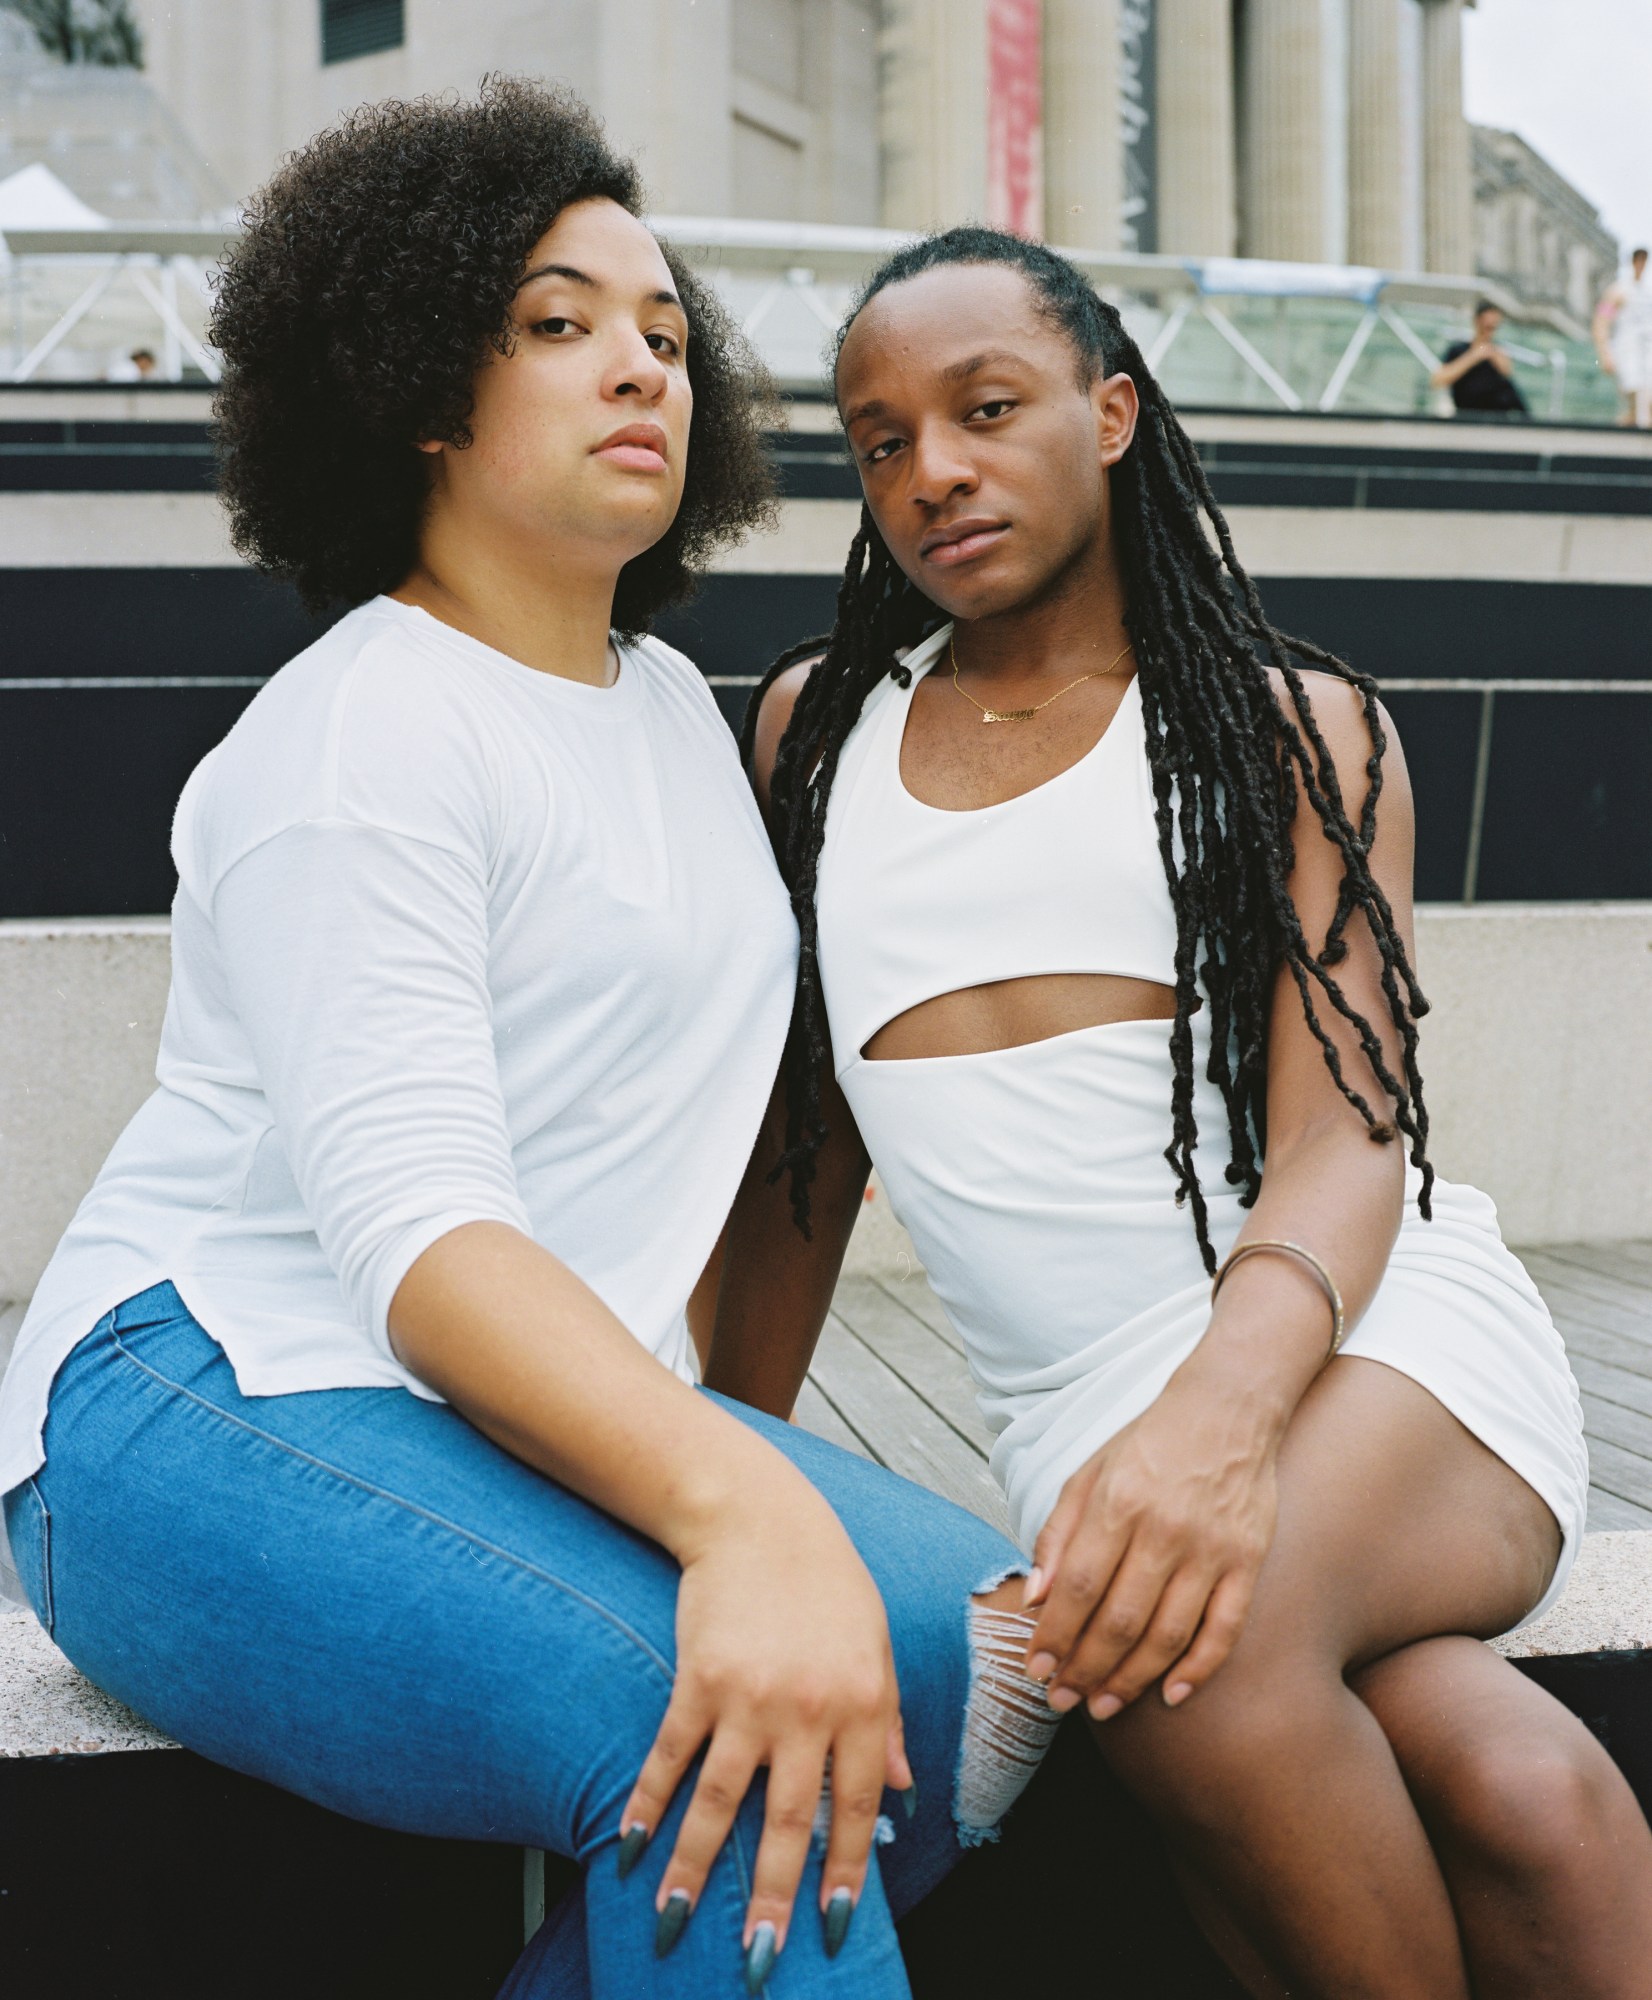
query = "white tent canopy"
x=34 y=198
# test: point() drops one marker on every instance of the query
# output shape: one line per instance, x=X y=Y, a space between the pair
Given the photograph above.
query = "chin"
x=971 y=597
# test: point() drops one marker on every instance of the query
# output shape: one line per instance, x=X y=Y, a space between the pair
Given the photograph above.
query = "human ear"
x=1117 y=406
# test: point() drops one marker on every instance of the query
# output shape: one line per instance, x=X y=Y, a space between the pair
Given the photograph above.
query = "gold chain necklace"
x=1026 y=714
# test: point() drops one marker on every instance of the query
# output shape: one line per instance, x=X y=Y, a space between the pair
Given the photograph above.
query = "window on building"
x=352 y=28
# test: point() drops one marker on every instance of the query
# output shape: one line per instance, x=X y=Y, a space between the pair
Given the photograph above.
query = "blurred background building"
x=1534 y=232
x=1285 y=202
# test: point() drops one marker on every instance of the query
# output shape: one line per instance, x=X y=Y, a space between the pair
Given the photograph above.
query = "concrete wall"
x=1538 y=1067
x=82 y=1003
x=1537 y=1062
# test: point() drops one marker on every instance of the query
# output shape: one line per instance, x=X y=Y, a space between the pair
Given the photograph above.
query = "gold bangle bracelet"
x=1327 y=1282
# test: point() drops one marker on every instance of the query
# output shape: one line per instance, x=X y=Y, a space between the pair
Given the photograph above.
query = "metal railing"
x=1290 y=336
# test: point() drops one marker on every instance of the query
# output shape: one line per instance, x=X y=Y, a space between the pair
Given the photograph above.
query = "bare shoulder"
x=1339 y=711
x=773 y=716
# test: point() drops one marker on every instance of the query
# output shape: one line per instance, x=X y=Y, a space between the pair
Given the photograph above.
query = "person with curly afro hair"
x=360 y=1395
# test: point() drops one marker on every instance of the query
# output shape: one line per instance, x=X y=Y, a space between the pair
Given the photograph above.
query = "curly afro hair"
x=376 y=270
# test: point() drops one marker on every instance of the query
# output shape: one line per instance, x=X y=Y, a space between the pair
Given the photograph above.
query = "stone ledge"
x=1606 y=1608
x=47 y=1709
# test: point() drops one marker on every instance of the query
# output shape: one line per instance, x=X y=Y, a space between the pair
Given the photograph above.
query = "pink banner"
x=1015 y=116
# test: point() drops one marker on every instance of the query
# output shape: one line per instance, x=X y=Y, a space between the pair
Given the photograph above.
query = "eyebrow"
x=578 y=277
x=954 y=373
x=961 y=371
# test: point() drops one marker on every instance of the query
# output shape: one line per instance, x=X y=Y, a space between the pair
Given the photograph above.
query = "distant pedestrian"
x=1479 y=373
x=1623 y=340
x=138 y=366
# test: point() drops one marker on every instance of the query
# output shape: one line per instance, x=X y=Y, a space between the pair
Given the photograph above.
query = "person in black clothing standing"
x=1479 y=374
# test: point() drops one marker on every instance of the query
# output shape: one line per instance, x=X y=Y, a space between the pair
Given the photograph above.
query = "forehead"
x=608 y=244
x=923 y=324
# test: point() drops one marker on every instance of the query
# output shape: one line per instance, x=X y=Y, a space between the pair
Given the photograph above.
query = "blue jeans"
x=355 y=1595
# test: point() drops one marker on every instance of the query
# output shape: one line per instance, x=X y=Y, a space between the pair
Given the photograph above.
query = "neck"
x=538 y=605
x=1075 y=625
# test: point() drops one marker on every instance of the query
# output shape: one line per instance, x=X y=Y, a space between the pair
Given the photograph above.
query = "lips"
x=961 y=541
x=641 y=447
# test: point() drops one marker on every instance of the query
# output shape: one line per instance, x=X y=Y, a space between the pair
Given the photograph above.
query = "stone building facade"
x=1312 y=130
x=1534 y=232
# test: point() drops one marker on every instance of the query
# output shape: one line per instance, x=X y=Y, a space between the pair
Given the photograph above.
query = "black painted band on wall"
x=88 y=778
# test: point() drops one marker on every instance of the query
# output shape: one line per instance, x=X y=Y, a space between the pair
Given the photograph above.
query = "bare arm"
x=1601 y=327
x=1202 y=1457
x=783 y=1652
x=776 y=1285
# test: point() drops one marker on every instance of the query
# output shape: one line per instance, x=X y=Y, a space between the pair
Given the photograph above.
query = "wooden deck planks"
x=890 y=1379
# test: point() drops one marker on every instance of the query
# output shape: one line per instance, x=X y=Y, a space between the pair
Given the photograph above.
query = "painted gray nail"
x=835 y=1921
x=760 y=1957
x=632 y=1842
x=678 y=1909
x=909 y=1799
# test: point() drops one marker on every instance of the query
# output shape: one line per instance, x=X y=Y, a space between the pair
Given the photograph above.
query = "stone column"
x=1448 y=183
x=1198 y=207
x=1282 y=85
x=1083 y=147
x=932 y=112
x=1376 y=136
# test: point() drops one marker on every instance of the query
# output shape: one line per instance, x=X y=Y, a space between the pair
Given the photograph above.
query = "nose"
x=636 y=370
x=936 y=468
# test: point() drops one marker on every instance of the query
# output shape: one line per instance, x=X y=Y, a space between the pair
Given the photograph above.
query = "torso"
x=1029 y=1168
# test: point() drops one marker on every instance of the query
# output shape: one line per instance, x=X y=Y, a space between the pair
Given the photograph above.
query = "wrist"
x=753 y=1487
x=1253 y=1401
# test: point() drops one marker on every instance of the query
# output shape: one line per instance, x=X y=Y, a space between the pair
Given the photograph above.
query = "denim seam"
x=48 y=1624
x=407 y=1506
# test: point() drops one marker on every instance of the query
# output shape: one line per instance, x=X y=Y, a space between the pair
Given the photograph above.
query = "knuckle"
x=717 y=1795
x=866 y=1692
x=1081 y=1581
x=859 y=1802
x=811 y=1700
x=1119 y=1623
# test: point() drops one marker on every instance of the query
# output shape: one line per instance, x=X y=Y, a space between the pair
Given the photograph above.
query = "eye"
x=557 y=325
x=995 y=408
x=668 y=343
x=879 y=452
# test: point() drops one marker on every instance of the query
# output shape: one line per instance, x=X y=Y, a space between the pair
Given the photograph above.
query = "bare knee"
x=1533 y=1809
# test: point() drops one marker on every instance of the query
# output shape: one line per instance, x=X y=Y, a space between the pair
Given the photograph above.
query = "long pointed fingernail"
x=835 y=1920
x=760 y=1956
x=909 y=1799
x=1032 y=1591
x=669 y=1925
x=632 y=1842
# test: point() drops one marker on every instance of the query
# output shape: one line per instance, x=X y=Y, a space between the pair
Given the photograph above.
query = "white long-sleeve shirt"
x=454 y=941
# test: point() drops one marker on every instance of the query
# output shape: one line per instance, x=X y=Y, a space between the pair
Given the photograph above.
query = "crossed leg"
x=1364 y=1801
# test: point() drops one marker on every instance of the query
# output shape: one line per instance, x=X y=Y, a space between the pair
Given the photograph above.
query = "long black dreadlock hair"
x=1227 y=758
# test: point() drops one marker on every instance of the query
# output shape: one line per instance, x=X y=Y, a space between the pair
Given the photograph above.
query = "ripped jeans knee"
x=1008 y=1723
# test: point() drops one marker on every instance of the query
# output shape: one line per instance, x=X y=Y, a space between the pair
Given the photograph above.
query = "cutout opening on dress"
x=1015 y=1013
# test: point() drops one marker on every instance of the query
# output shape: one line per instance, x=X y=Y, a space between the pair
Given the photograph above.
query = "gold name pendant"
x=1025 y=714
